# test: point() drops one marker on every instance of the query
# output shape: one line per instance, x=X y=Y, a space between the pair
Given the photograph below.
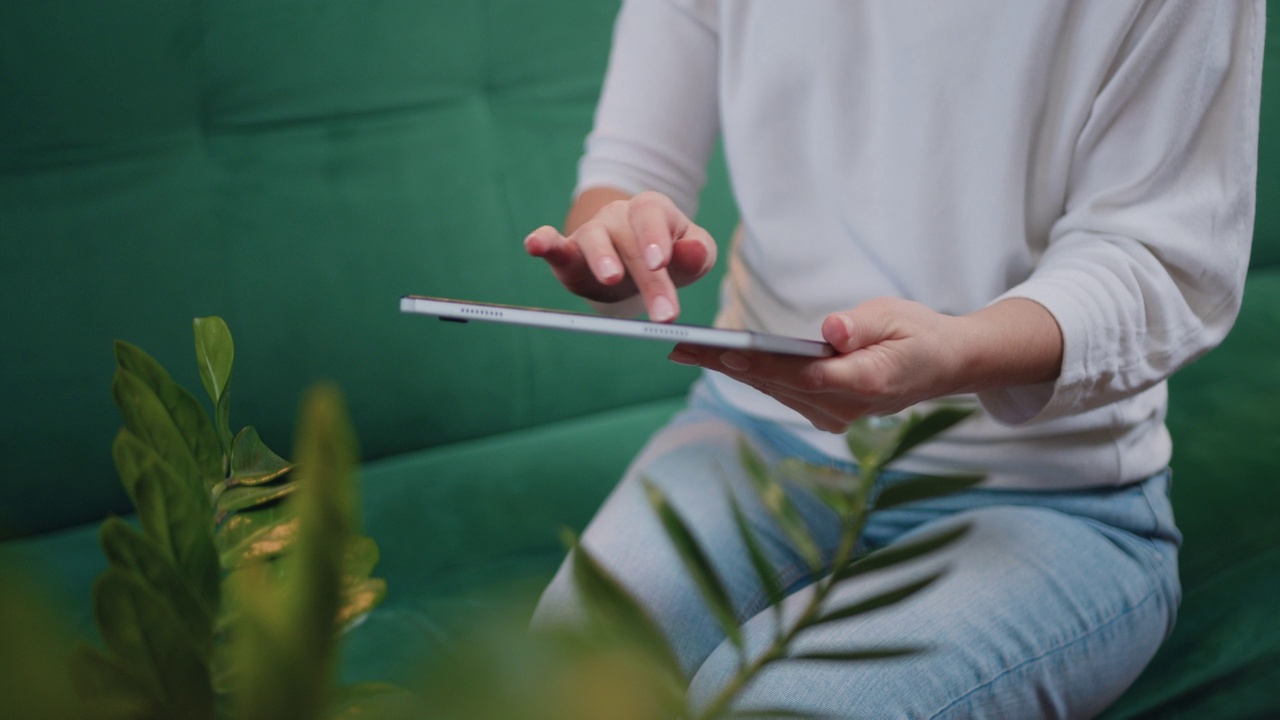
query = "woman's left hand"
x=892 y=354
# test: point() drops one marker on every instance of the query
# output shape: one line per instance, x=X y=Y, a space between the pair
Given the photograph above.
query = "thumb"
x=850 y=330
x=547 y=243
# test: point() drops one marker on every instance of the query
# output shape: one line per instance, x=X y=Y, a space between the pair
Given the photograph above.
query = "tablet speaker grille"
x=482 y=312
x=666 y=331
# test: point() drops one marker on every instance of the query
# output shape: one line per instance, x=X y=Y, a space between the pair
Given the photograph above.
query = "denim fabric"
x=1050 y=606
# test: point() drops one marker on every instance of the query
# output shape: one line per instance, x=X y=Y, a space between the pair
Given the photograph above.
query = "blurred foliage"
x=34 y=652
x=227 y=597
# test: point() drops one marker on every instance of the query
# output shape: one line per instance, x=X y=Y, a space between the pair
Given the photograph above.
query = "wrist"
x=1011 y=343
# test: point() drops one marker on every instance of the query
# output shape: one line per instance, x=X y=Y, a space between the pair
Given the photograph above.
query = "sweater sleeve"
x=657 y=120
x=1144 y=271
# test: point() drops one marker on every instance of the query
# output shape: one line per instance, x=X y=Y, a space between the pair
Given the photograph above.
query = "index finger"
x=655 y=224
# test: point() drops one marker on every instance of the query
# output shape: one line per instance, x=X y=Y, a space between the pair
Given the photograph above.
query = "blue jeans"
x=1051 y=605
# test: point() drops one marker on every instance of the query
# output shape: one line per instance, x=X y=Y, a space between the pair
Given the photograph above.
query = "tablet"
x=461 y=311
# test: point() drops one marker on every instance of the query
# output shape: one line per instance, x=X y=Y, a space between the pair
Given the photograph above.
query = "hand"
x=895 y=353
x=643 y=244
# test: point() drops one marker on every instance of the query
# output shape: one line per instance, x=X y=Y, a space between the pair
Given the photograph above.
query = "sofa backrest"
x=295 y=167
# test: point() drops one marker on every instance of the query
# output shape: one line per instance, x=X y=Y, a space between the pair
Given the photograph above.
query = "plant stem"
x=853 y=524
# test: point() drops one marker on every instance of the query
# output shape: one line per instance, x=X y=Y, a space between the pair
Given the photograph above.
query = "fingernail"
x=682 y=357
x=847 y=323
x=608 y=268
x=662 y=310
x=735 y=361
x=653 y=257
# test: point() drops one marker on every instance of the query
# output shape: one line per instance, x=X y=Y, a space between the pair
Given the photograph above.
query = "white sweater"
x=1095 y=156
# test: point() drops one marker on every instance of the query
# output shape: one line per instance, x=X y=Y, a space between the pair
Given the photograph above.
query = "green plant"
x=226 y=599
x=875 y=444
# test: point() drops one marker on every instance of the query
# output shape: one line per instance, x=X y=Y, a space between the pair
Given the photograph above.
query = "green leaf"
x=615 y=609
x=222 y=420
x=872 y=438
x=149 y=420
x=327 y=500
x=215 y=353
x=359 y=598
x=764 y=569
x=859 y=655
x=233 y=531
x=780 y=507
x=131 y=455
x=264 y=665
x=876 y=602
x=271 y=540
x=360 y=594
x=170 y=516
x=143 y=632
x=267 y=579
x=184 y=409
x=840 y=491
x=244 y=498
x=697 y=564
x=359 y=557
x=923 y=487
x=112 y=689
x=252 y=462
x=899 y=553
x=919 y=429
x=128 y=550
x=286 y=634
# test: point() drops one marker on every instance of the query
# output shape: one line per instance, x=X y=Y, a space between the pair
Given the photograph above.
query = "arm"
x=1144 y=271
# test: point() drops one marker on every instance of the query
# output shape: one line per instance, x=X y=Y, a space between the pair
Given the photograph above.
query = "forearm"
x=1011 y=343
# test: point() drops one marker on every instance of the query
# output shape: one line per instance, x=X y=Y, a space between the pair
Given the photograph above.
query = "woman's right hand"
x=618 y=246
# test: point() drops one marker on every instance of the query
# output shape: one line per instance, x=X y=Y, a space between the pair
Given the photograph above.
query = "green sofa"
x=296 y=165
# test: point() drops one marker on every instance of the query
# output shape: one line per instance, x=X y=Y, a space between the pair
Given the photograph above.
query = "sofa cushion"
x=467 y=532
